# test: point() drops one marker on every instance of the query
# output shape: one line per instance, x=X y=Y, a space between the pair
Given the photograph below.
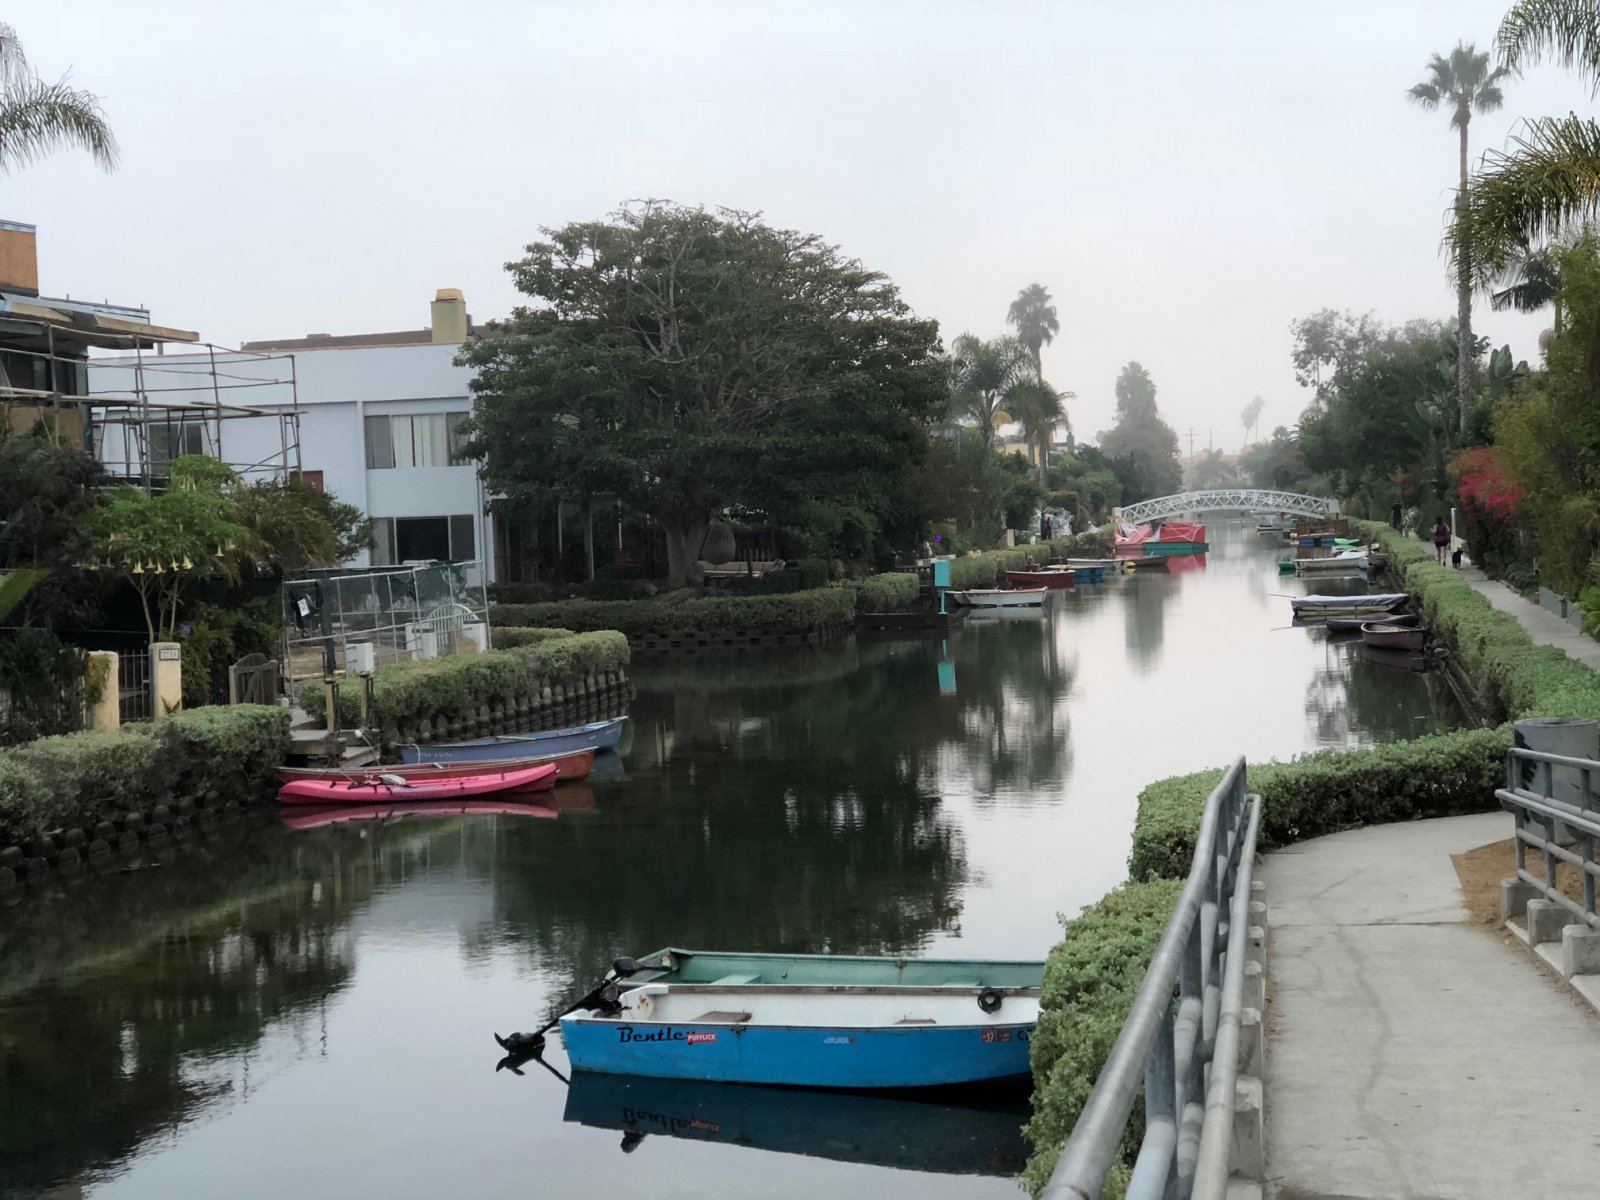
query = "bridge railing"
x=1552 y=799
x=1181 y=1042
x=1236 y=499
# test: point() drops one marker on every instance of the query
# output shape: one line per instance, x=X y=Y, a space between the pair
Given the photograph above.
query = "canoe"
x=947 y=1135
x=999 y=597
x=1354 y=624
x=569 y=767
x=1393 y=637
x=800 y=1020
x=1064 y=578
x=598 y=735
x=319 y=818
x=1319 y=607
x=375 y=788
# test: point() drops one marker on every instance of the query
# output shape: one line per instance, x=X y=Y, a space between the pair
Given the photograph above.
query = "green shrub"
x=521 y=593
x=1090 y=980
x=893 y=592
x=510 y=637
x=820 y=611
x=90 y=776
x=233 y=750
x=28 y=808
x=455 y=688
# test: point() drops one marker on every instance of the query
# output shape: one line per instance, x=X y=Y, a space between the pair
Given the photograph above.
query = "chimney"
x=450 y=323
x=19 y=258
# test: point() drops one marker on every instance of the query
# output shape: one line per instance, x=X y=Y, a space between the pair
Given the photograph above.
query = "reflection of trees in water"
x=114 y=997
x=1145 y=597
x=788 y=816
x=1350 y=699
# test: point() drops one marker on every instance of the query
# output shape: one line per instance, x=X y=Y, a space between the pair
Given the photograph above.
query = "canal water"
x=276 y=1012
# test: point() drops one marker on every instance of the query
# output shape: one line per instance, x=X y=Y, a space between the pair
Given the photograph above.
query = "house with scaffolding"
x=133 y=424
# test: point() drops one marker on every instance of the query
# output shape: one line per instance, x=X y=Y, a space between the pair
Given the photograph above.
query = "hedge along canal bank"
x=837 y=799
x=1096 y=969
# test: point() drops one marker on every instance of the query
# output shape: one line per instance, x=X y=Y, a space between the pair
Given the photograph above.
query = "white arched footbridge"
x=1230 y=499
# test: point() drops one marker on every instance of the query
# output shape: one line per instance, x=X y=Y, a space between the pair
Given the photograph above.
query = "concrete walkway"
x=1411 y=1055
x=1545 y=628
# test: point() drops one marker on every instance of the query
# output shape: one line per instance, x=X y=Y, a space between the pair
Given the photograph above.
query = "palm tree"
x=1251 y=416
x=1035 y=318
x=1464 y=83
x=1549 y=181
x=1040 y=408
x=984 y=375
x=38 y=118
x=1531 y=280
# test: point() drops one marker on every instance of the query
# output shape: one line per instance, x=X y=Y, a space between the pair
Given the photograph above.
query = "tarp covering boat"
x=1169 y=537
x=1346 y=606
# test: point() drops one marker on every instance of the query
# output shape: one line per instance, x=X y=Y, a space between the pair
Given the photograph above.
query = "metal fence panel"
x=133 y=685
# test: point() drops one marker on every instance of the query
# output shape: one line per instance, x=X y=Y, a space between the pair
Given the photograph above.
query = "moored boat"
x=569 y=768
x=1385 y=636
x=597 y=735
x=1159 y=541
x=1354 y=624
x=999 y=597
x=809 y=1020
x=1321 y=607
x=1063 y=578
x=379 y=787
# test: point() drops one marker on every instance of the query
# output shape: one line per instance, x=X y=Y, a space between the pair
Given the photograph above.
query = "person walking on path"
x=1441 y=540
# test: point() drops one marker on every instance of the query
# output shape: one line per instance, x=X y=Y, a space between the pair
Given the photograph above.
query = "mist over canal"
x=277 y=1012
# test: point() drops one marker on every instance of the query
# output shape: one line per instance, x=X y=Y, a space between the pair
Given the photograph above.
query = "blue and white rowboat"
x=598 y=735
x=813 y=1020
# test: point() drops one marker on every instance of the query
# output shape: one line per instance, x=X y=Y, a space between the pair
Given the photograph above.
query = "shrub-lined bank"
x=444 y=697
x=1088 y=992
x=85 y=783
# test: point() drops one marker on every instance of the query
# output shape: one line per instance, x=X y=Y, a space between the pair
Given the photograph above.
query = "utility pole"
x=1191 y=441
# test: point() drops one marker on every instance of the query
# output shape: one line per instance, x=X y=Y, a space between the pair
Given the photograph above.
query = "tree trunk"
x=1463 y=305
x=683 y=543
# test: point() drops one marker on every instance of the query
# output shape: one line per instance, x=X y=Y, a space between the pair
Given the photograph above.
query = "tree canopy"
x=1142 y=448
x=693 y=362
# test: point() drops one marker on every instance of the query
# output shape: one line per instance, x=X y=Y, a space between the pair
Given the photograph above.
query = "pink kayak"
x=317 y=818
x=378 y=787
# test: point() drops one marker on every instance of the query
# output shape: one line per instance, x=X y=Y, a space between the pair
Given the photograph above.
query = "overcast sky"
x=1186 y=178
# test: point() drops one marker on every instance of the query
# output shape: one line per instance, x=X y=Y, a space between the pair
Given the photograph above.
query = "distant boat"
x=1063 y=578
x=1000 y=597
x=382 y=787
x=1321 y=607
x=598 y=735
x=803 y=1020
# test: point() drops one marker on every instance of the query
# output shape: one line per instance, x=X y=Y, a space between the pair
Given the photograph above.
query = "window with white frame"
x=415 y=440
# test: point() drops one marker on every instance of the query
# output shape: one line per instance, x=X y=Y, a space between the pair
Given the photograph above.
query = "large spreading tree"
x=694 y=363
x=1142 y=447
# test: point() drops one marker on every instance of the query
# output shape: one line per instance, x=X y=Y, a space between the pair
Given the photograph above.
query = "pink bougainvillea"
x=1485 y=484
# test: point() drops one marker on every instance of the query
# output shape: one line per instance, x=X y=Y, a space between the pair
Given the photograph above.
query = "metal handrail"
x=1542 y=808
x=1170 y=1038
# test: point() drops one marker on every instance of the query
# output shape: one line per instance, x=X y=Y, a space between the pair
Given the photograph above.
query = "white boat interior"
x=821 y=1007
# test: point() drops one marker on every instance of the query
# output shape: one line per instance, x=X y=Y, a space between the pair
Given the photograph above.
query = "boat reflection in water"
x=962 y=1132
x=424 y=810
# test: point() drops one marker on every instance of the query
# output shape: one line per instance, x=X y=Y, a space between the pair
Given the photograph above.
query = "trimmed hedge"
x=81 y=779
x=455 y=688
x=1444 y=775
x=510 y=637
x=1090 y=980
x=893 y=592
x=823 y=611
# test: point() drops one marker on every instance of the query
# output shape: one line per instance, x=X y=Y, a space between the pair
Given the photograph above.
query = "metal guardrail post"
x=1181 y=1038
x=1536 y=816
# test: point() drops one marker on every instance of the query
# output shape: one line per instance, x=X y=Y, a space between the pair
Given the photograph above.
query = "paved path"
x=1410 y=1054
x=1545 y=628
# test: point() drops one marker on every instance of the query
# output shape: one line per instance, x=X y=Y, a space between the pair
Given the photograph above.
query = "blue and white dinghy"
x=808 y=1020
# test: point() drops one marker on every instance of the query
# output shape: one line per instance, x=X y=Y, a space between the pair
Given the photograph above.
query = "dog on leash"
x=1455 y=558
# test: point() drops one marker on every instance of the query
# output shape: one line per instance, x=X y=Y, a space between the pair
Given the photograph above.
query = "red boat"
x=569 y=767
x=1045 y=579
x=385 y=786
x=318 y=818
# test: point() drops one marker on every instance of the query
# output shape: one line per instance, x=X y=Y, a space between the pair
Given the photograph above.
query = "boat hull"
x=373 y=790
x=800 y=1056
x=600 y=735
x=1044 y=579
x=998 y=598
x=569 y=768
x=1393 y=637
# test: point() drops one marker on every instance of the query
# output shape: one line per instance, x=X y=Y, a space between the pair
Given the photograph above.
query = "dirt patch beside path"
x=1482 y=869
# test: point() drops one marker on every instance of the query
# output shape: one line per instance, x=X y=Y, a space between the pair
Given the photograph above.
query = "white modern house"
x=373 y=418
